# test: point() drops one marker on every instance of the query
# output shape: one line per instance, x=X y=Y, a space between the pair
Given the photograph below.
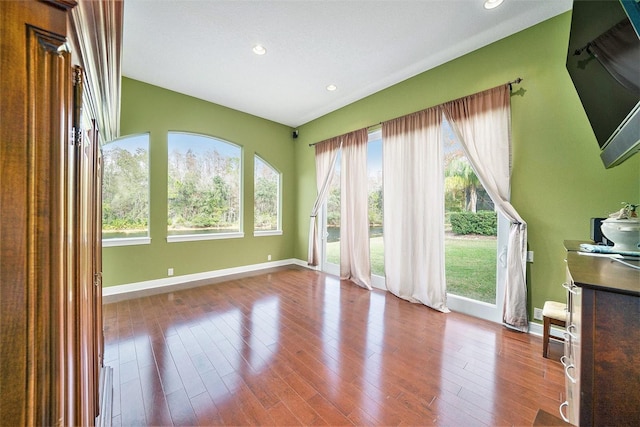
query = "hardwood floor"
x=298 y=347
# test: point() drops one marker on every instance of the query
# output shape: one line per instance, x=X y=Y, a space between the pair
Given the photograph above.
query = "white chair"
x=553 y=313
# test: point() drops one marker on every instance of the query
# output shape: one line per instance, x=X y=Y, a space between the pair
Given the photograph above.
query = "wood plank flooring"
x=298 y=347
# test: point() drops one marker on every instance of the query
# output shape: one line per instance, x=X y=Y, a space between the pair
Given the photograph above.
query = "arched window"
x=125 y=191
x=266 y=199
x=203 y=187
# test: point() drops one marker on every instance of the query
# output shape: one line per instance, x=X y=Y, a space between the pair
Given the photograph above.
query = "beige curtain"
x=97 y=33
x=482 y=124
x=354 y=213
x=414 y=208
x=326 y=156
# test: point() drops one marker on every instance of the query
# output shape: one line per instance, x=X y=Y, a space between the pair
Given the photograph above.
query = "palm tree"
x=460 y=176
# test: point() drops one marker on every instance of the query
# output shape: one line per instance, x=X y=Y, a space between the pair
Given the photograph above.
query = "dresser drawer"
x=570 y=409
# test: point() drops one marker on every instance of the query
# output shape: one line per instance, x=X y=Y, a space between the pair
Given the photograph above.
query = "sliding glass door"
x=376 y=212
x=475 y=238
x=330 y=244
x=475 y=234
x=331 y=215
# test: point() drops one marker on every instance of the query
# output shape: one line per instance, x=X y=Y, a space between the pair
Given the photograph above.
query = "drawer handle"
x=570 y=288
x=566 y=372
x=564 y=404
x=563 y=360
x=568 y=336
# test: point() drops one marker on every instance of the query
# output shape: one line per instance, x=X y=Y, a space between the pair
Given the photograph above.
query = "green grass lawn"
x=376 y=248
x=470 y=265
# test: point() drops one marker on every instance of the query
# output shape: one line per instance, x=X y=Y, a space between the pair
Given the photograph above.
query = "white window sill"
x=267 y=233
x=197 y=237
x=126 y=241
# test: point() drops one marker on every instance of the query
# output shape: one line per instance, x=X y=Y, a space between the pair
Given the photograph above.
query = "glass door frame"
x=484 y=310
x=377 y=281
x=460 y=304
x=326 y=266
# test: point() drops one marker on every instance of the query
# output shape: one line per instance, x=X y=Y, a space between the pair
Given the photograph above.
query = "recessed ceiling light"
x=259 y=49
x=331 y=88
x=492 y=4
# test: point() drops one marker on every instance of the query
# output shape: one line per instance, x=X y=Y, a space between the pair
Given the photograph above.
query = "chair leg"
x=545 y=336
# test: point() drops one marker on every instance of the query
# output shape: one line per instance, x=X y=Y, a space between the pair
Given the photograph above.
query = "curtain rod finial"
x=516 y=81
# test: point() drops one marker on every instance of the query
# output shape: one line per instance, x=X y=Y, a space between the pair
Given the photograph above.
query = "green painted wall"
x=558 y=180
x=147 y=108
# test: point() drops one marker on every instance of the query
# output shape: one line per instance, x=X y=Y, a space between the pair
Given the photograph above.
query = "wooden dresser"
x=51 y=345
x=602 y=341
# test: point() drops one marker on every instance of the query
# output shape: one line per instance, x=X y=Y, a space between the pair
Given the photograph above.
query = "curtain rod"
x=512 y=82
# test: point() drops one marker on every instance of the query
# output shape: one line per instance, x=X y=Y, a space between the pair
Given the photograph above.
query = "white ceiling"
x=203 y=48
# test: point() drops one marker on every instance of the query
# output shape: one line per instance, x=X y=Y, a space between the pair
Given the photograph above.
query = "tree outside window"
x=125 y=188
x=266 y=197
x=204 y=185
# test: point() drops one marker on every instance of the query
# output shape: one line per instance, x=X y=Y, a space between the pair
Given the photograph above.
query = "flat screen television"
x=610 y=99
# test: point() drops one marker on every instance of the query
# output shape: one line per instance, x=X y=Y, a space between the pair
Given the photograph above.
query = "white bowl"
x=624 y=233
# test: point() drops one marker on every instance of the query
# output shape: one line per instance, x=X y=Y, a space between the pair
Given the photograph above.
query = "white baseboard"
x=131 y=290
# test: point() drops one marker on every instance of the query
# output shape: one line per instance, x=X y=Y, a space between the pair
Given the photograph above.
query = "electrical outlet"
x=529 y=256
x=537 y=313
x=170 y=272
x=269 y=257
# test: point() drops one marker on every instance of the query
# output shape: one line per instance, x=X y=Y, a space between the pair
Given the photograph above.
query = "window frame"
x=172 y=238
x=278 y=231
x=139 y=240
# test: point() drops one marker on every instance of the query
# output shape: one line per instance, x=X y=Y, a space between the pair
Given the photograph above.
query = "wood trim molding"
x=48 y=83
x=65 y=5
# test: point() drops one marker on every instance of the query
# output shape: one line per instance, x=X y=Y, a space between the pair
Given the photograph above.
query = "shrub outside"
x=482 y=222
